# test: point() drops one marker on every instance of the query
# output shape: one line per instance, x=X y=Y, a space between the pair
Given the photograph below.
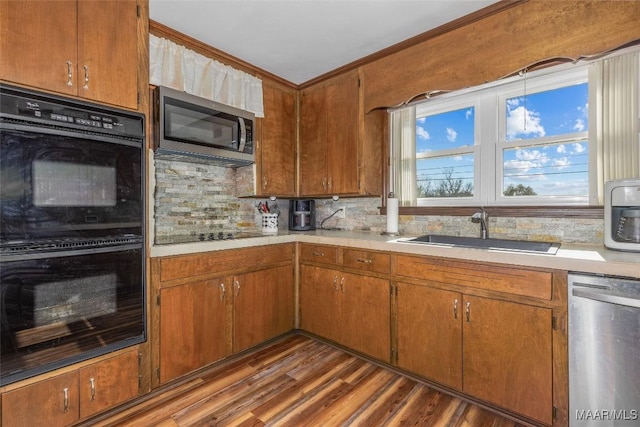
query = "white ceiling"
x=301 y=40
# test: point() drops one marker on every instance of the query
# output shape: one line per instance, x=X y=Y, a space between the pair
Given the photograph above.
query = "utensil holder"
x=269 y=223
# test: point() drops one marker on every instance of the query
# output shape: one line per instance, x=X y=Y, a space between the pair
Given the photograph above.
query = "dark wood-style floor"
x=299 y=381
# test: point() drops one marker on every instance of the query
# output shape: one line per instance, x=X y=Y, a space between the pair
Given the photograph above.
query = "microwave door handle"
x=243 y=135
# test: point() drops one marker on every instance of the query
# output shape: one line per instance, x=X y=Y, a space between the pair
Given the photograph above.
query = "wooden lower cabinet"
x=507 y=355
x=351 y=309
x=215 y=304
x=430 y=333
x=494 y=350
x=263 y=306
x=64 y=399
x=193 y=322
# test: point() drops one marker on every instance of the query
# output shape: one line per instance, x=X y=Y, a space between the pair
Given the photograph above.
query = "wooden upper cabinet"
x=80 y=48
x=276 y=143
x=330 y=138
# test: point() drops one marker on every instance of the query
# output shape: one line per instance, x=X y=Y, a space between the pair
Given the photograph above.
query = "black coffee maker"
x=302 y=215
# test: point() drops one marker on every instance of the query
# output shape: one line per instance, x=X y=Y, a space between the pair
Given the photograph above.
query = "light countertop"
x=577 y=258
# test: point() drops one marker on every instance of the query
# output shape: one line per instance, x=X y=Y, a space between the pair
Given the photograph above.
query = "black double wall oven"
x=71 y=231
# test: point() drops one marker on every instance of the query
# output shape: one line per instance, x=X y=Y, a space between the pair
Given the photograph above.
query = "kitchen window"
x=527 y=140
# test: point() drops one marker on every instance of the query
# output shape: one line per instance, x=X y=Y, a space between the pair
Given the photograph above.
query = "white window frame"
x=539 y=84
x=490 y=137
x=453 y=104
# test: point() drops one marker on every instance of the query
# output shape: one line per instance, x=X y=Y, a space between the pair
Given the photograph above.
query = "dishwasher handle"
x=598 y=295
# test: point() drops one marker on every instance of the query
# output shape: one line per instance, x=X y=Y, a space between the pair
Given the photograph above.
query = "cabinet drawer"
x=366 y=260
x=319 y=253
x=491 y=277
x=216 y=262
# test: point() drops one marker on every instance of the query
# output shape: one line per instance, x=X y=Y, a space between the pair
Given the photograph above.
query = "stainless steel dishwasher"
x=604 y=351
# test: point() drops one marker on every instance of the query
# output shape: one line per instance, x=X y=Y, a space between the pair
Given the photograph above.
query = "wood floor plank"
x=298 y=381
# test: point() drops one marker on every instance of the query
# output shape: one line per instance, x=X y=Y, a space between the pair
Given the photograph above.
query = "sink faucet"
x=482 y=218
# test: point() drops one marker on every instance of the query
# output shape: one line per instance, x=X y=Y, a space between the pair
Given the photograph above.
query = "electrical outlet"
x=342 y=213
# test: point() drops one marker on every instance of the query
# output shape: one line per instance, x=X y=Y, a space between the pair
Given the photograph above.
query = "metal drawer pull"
x=93 y=389
x=222 y=291
x=342 y=285
x=335 y=283
x=237 y=288
x=65 y=393
x=455 y=308
x=468 y=312
x=329 y=183
x=324 y=183
x=366 y=261
x=69 y=73
x=86 y=77
x=317 y=253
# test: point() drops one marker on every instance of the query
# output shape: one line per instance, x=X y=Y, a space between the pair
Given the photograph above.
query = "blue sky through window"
x=549 y=160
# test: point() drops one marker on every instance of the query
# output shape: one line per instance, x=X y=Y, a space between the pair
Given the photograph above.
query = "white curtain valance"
x=179 y=68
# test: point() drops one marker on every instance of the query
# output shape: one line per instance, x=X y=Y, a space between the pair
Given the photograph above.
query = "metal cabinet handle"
x=335 y=283
x=264 y=182
x=93 y=389
x=366 y=261
x=222 y=291
x=69 y=73
x=329 y=184
x=65 y=395
x=324 y=183
x=317 y=253
x=468 y=312
x=86 y=78
x=455 y=308
x=237 y=283
x=342 y=285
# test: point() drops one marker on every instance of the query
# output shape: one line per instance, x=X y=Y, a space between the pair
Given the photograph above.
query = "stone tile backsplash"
x=191 y=198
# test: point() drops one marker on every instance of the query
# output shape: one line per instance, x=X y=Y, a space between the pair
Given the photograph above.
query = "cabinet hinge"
x=554 y=413
x=139 y=382
x=554 y=323
x=158 y=373
x=138 y=10
x=158 y=299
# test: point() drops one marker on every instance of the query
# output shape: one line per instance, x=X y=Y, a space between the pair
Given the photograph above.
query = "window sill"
x=586 y=212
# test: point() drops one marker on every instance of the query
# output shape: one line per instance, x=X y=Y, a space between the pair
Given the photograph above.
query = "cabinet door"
x=192 y=327
x=263 y=306
x=364 y=315
x=319 y=293
x=430 y=333
x=108 y=383
x=277 y=143
x=38 y=44
x=108 y=51
x=313 y=142
x=53 y=402
x=342 y=96
x=507 y=356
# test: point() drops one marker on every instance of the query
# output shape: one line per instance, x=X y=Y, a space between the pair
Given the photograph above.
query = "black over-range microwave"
x=189 y=125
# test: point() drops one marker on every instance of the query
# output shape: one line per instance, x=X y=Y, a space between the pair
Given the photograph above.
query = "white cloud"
x=561 y=148
x=451 y=135
x=468 y=114
x=579 y=125
x=578 y=148
x=422 y=133
x=522 y=122
x=561 y=163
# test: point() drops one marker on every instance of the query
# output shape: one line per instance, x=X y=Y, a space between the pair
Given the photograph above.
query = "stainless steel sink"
x=478 y=243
